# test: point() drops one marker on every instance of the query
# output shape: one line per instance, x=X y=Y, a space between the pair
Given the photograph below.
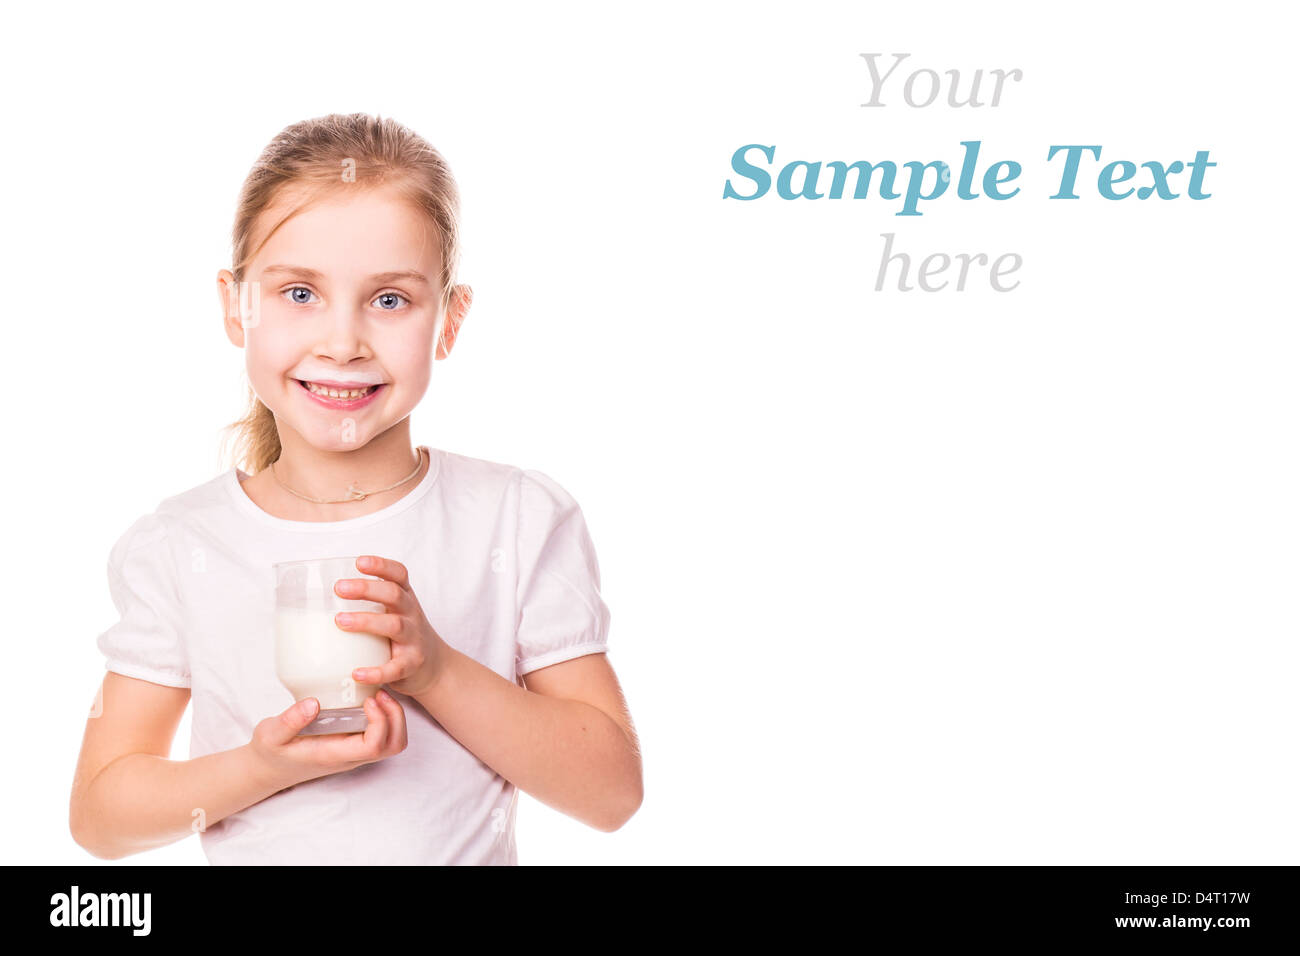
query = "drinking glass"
x=314 y=657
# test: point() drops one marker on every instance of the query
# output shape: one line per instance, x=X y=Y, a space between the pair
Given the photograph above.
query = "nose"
x=342 y=336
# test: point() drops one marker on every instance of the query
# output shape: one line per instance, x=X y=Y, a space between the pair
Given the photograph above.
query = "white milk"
x=314 y=657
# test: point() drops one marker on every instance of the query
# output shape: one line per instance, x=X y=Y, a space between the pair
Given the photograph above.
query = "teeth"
x=343 y=393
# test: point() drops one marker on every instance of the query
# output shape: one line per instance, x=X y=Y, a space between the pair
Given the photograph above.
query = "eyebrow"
x=315 y=276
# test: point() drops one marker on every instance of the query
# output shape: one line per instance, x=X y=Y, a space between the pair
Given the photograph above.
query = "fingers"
x=387 y=593
x=387 y=674
x=293 y=720
x=391 y=626
x=384 y=736
x=389 y=570
x=395 y=742
x=376 y=733
x=385 y=732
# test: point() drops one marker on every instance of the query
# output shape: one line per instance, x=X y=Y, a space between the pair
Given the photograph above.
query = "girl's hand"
x=289 y=759
x=418 y=652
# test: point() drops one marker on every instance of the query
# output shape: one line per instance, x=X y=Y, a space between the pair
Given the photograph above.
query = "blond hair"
x=318 y=157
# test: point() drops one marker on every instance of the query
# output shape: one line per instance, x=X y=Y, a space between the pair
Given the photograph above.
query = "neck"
x=331 y=473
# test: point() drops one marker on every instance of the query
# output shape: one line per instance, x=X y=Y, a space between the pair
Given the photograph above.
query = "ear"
x=228 y=292
x=462 y=297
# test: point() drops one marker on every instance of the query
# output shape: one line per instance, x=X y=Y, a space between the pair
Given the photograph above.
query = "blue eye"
x=390 y=300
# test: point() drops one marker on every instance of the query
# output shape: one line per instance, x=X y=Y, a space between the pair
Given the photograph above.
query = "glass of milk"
x=314 y=657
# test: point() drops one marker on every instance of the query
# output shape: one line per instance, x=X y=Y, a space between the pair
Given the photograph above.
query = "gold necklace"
x=354 y=494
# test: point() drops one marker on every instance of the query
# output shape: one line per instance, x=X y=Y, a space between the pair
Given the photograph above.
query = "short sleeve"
x=561 y=612
x=146 y=641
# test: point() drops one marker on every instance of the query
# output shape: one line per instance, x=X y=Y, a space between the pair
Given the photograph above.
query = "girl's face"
x=346 y=295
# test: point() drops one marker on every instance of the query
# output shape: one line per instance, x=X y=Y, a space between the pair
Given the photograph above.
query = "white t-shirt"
x=504 y=568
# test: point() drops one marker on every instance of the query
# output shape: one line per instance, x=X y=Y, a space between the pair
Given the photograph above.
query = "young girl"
x=342 y=292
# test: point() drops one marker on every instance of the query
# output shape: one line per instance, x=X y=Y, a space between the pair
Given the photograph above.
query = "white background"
x=960 y=577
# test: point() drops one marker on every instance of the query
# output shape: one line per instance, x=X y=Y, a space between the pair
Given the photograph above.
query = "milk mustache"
x=314 y=657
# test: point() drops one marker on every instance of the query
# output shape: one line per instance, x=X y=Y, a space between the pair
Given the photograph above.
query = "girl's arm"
x=127 y=796
x=566 y=739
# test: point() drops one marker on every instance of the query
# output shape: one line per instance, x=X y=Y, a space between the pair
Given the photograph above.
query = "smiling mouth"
x=339 y=394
